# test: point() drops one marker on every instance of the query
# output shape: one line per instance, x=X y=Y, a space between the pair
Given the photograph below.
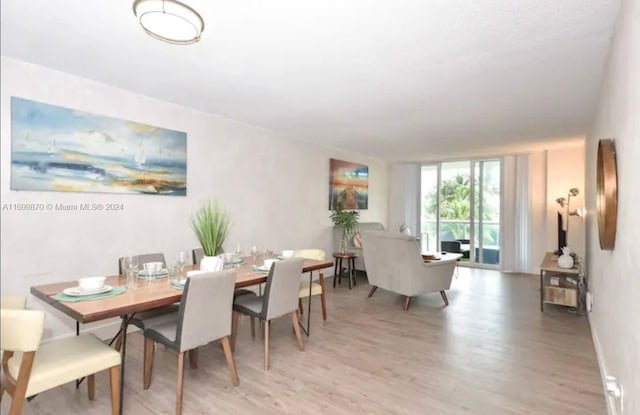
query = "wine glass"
x=182 y=260
x=238 y=252
x=254 y=253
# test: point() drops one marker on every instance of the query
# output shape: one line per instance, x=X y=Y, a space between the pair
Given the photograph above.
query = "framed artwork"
x=348 y=185
x=60 y=149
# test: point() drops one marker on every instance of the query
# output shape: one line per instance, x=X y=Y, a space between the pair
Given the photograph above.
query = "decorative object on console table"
x=607 y=194
x=61 y=149
x=348 y=185
x=565 y=260
x=211 y=224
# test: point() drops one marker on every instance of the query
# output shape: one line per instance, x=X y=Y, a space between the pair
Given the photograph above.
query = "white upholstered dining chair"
x=317 y=287
x=29 y=368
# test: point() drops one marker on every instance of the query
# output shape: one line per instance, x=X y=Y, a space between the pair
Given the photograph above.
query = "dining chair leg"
x=300 y=305
x=231 y=363
x=371 y=291
x=180 y=383
x=91 y=386
x=266 y=345
x=253 y=327
x=148 y=361
x=234 y=329
x=296 y=328
x=20 y=390
x=193 y=358
x=444 y=297
x=114 y=380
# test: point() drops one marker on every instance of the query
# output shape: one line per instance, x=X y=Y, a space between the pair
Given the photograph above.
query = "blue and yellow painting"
x=60 y=149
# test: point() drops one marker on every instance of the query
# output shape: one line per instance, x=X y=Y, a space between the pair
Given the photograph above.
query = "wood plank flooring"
x=489 y=352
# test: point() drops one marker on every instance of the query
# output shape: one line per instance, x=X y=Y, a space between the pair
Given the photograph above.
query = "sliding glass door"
x=460 y=209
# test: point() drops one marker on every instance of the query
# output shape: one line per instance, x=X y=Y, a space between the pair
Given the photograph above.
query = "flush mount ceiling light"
x=169 y=21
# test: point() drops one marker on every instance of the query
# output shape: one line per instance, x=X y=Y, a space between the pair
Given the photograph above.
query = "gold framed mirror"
x=607 y=194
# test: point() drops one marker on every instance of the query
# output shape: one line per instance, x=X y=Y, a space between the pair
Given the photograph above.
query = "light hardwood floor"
x=490 y=352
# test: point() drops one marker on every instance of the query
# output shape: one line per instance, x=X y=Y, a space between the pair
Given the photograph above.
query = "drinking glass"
x=254 y=254
x=130 y=265
x=172 y=270
x=238 y=252
x=182 y=260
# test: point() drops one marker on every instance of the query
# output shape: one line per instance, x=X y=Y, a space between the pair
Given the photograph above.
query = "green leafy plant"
x=347 y=220
x=211 y=224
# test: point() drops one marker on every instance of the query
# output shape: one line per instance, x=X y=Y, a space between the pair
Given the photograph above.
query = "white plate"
x=143 y=273
x=262 y=268
x=77 y=292
x=182 y=281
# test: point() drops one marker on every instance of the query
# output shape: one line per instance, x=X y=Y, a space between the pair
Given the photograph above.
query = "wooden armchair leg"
x=20 y=388
x=371 y=291
x=407 y=302
x=300 y=305
x=91 y=386
x=323 y=302
x=148 y=361
x=228 y=354
x=114 y=380
x=444 y=297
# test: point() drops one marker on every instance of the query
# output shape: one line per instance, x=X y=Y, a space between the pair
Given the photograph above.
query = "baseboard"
x=611 y=409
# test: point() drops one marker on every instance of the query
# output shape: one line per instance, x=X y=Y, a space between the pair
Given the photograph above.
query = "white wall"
x=275 y=188
x=565 y=169
x=614 y=276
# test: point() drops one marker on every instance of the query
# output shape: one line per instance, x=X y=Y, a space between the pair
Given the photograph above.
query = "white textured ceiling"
x=394 y=79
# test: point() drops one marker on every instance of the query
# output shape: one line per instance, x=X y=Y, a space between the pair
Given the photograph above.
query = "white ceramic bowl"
x=269 y=262
x=288 y=253
x=91 y=283
x=151 y=268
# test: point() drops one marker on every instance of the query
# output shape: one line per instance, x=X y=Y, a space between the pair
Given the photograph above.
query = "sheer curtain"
x=516 y=213
x=404 y=200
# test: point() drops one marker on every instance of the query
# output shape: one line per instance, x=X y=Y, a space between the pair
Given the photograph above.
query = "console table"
x=564 y=292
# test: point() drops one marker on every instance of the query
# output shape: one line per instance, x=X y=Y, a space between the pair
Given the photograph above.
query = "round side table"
x=351 y=267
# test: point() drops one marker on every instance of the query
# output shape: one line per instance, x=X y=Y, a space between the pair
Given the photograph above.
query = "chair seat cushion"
x=65 y=360
x=164 y=333
x=316 y=289
x=248 y=304
x=146 y=319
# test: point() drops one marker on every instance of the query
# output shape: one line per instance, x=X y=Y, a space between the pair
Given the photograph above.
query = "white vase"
x=565 y=260
x=211 y=263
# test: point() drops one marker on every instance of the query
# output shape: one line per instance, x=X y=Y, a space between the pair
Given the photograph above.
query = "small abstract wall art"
x=348 y=185
x=60 y=149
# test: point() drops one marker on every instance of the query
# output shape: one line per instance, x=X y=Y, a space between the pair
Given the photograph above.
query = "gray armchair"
x=394 y=263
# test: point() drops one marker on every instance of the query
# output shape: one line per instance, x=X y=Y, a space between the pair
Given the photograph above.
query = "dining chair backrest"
x=317 y=254
x=20 y=330
x=205 y=311
x=14 y=302
x=282 y=288
x=142 y=259
x=197 y=254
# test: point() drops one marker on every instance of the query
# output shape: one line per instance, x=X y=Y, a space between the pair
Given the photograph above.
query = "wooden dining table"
x=147 y=295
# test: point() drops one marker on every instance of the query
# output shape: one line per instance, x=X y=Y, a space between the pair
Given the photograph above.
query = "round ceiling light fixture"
x=169 y=20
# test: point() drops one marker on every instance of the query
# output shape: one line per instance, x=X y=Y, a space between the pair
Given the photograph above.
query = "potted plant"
x=211 y=224
x=348 y=221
